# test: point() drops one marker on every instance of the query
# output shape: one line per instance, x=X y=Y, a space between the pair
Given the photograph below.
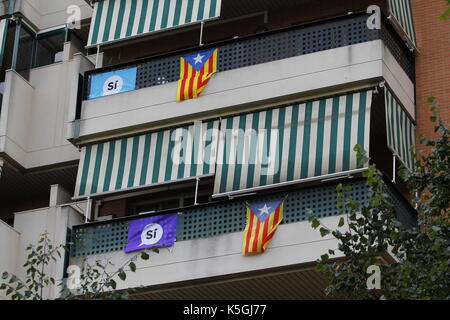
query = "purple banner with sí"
x=158 y=231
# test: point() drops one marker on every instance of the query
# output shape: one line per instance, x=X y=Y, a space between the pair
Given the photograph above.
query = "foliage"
x=94 y=282
x=91 y=281
x=422 y=253
x=446 y=13
x=38 y=258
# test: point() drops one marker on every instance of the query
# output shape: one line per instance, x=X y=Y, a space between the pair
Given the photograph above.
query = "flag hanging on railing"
x=195 y=71
x=158 y=231
x=262 y=222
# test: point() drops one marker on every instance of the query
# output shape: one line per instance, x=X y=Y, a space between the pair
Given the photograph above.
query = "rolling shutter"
x=401 y=10
x=144 y=160
x=114 y=20
x=400 y=131
x=292 y=143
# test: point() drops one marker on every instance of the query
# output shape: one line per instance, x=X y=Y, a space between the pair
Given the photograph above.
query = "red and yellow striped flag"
x=262 y=222
x=195 y=72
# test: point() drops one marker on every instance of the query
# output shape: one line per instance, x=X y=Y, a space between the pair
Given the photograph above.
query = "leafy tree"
x=446 y=13
x=39 y=256
x=94 y=282
x=422 y=253
x=91 y=281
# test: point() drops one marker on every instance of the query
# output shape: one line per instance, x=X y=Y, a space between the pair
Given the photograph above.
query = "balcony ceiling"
x=35 y=186
x=295 y=284
x=235 y=8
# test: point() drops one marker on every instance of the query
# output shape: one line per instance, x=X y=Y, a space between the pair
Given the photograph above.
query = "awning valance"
x=143 y=160
x=401 y=10
x=292 y=143
x=3 y=35
x=114 y=20
x=400 y=131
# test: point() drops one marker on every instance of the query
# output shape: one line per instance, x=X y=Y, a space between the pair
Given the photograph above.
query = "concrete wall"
x=49 y=13
x=33 y=122
x=28 y=227
x=292 y=244
x=15 y=116
x=9 y=247
x=278 y=81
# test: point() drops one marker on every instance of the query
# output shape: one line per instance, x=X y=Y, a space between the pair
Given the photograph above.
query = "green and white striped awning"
x=401 y=10
x=400 y=131
x=114 y=20
x=143 y=160
x=292 y=143
x=3 y=35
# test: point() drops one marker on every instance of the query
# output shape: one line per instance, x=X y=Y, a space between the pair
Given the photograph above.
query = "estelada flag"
x=262 y=222
x=195 y=71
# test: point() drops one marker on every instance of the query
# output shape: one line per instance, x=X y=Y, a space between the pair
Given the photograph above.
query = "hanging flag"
x=262 y=222
x=158 y=231
x=195 y=71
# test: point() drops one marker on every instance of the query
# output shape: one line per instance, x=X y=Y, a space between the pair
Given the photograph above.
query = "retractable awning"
x=3 y=35
x=292 y=143
x=144 y=160
x=400 y=130
x=401 y=10
x=114 y=20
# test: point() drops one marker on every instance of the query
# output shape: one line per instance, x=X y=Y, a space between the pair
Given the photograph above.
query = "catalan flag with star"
x=195 y=71
x=262 y=222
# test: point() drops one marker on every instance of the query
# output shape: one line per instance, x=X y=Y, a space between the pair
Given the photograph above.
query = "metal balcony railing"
x=228 y=216
x=270 y=46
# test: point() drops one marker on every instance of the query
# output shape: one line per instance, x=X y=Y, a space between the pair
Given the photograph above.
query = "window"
x=25 y=51
x=49 y=47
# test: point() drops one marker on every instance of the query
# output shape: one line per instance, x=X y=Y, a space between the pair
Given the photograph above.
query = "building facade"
x=93 y=136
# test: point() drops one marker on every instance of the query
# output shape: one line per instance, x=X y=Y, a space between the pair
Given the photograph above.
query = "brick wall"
x=432 y=63
x=117 y=208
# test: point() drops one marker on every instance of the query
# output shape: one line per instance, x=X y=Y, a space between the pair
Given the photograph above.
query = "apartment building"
x=93 y=136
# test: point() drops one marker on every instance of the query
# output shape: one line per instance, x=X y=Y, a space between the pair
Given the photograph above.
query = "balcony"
x=209 y=237
x=276 y=66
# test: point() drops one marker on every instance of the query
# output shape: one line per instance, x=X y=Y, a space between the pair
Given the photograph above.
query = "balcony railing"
x=224 y=217
x=270 y=46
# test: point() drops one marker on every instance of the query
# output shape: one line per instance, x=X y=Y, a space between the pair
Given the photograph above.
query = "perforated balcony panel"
x=216 y=219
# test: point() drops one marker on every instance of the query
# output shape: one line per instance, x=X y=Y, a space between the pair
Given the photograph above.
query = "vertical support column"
x=88 y=210
x=394 y=171
x=1 y=167
x=202 y=25
x=97 y=56
x=197 y=181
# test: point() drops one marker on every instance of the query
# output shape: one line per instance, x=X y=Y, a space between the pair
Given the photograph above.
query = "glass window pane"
x=23 y=63
x=49 y=48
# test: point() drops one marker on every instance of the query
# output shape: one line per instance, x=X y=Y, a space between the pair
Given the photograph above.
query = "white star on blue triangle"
x=197 y=60
x=263 y=210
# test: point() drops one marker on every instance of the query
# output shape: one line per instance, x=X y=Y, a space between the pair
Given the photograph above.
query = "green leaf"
x=144 y=256
x=122 y=275
x=113 y=284
x=132 y=267
x=315 y=223
x=5 y=275
x=324 y=232
x=341 y=222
